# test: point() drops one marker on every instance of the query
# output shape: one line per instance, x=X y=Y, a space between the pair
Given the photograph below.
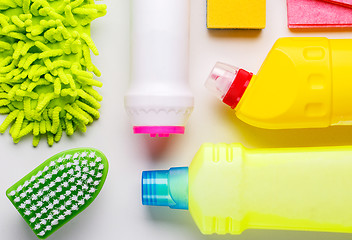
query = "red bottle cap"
x=228 y=83
x=238 y=87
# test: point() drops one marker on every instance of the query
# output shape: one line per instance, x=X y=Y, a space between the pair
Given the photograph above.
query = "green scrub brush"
x=59 y=189
x=46 y=72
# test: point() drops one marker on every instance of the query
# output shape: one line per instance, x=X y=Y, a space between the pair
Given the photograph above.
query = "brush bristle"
x=59 y=189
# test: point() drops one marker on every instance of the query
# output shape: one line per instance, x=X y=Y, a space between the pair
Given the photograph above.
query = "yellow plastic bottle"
x=303 y=83
x=229 y=189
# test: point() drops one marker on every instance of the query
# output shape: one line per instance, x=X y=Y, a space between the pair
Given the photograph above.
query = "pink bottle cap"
x=161 y=131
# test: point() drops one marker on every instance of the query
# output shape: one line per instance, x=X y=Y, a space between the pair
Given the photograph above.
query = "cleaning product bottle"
x=159 y=100
x=303 y=83
x=229 y=188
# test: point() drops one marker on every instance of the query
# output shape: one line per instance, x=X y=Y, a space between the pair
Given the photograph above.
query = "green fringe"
x=46 y=72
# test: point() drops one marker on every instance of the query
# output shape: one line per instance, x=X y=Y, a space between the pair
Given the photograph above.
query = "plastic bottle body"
x=159 y=94
x=232 y=189
x=293 y=88
x=303 y=83
x=342 y=81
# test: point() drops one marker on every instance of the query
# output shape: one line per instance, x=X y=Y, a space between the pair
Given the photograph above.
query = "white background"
x=117 y=213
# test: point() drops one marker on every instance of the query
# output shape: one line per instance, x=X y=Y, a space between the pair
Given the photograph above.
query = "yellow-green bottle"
x=229 y=189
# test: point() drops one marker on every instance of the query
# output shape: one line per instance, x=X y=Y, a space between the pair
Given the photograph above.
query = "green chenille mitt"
x=46 y=72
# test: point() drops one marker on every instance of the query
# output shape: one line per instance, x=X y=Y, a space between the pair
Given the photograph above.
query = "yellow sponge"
x=236 y=14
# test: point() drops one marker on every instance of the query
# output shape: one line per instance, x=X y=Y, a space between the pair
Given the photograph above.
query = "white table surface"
x=117 y=213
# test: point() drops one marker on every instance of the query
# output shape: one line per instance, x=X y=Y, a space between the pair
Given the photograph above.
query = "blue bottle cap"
x=166 y=188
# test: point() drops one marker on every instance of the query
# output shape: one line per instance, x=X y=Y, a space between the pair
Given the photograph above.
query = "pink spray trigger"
x=161 y=131
x=319 y=13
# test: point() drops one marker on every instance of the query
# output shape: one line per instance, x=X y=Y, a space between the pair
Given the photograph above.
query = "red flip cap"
x=238 y=87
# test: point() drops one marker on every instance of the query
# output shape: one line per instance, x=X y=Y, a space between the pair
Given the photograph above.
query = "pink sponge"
x=318 y=13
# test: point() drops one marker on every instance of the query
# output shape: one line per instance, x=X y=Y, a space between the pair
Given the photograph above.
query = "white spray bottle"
x=159 y=100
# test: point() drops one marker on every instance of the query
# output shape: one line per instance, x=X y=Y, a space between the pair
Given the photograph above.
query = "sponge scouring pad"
x=46 y=73
x=317 y=14
x=236 y=14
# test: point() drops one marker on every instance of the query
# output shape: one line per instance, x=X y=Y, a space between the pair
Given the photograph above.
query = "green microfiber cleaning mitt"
x=46 y=72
